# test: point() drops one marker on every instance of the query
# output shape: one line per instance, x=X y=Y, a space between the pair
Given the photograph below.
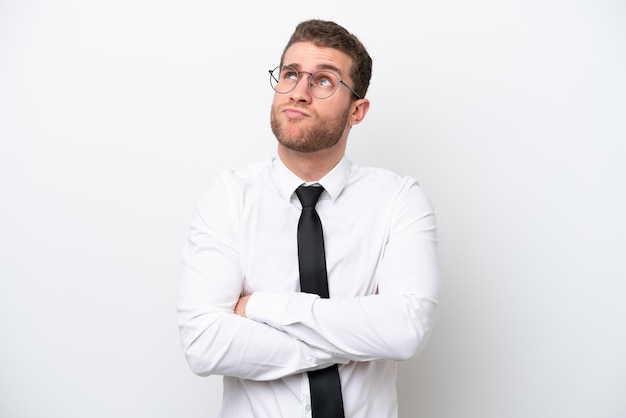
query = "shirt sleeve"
x=393 y=324
x=215 y=340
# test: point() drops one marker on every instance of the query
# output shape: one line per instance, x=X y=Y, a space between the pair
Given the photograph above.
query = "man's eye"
x=324 y=82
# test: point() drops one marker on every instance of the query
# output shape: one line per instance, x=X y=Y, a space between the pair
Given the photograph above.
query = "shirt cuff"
x=280 y=309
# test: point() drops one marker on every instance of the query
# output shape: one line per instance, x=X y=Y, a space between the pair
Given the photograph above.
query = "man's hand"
x=240 y=308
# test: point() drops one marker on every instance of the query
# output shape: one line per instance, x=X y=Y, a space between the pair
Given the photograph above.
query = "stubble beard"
x=325 y=134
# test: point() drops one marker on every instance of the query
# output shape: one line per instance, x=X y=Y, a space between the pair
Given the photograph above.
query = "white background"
x=114 y=115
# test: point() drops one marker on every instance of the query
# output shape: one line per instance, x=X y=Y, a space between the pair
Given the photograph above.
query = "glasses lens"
x=283 y=79
x=323 y=84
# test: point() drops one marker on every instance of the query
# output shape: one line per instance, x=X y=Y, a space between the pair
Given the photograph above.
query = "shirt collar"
x=333 y=182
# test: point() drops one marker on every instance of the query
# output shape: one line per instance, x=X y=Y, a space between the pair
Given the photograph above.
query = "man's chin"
x=297 y=146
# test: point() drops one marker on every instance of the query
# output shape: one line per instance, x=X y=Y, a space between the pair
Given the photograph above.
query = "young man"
x=246 y=308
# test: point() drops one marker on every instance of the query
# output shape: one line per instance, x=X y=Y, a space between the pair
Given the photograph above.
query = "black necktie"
x=326 y=400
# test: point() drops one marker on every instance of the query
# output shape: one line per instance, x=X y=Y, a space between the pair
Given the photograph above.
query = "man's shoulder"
x=232 y=186
x=380 y=176
x=245 y=175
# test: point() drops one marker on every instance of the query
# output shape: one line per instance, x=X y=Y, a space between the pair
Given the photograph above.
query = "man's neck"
x=310 y=166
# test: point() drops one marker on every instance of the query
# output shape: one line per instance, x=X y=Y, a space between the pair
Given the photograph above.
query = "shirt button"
x=307 y=407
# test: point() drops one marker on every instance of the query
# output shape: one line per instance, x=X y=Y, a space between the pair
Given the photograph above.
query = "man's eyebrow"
x=318 y=67
x=329 y=67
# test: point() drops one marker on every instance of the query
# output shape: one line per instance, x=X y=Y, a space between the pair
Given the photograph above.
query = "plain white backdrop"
x=114 y=115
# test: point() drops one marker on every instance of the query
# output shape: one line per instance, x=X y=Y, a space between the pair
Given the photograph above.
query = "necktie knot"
x=309 y=195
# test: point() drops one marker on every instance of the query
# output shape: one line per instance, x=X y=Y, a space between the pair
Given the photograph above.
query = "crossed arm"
x=269 y=335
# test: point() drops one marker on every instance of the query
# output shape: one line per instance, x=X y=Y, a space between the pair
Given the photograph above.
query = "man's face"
x=305 y=123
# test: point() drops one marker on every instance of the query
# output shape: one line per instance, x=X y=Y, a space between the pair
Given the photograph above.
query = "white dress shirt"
x=381 y=253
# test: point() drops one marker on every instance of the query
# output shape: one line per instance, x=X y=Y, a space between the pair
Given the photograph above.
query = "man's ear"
x=359 y=110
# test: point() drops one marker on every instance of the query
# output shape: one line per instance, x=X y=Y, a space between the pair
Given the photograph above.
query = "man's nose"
x=302 y=92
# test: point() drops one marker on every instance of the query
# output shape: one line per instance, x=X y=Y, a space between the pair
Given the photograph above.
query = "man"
x=243 y=309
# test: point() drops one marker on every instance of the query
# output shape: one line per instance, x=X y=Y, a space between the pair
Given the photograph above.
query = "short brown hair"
x=329 y=34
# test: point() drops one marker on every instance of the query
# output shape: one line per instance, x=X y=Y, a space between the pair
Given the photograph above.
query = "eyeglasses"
x=322 y=84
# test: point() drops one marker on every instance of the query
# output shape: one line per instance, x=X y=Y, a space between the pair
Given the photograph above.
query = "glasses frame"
x=309 y=82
